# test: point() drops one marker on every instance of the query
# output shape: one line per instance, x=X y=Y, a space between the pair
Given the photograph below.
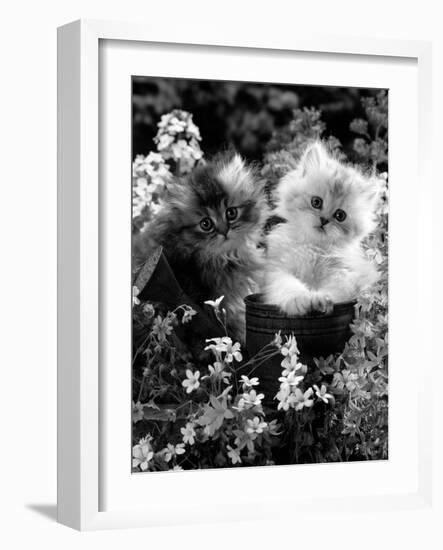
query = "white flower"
x=192 y=381
x=150 y=176
x=215 y=303
x=290 y=363
x=135 y=293
x=249 y=382
x=142 y=453
x=283 y=399
x=137 y=412
x=219 y=344
x=234 y=455
x=278 y=340
x=300 y=399
x=321 y=393
x=233 y=352
x=255 y=426
x=188 y=433
x=170 y=451
x=290 y=380
x=250 y=399
x=178 y=138
x=188 y=314
x=290 y=347
x=164 y=141
x=162 y=328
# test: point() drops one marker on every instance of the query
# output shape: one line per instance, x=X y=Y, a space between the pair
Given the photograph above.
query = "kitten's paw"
x=321 y=302
x=299 y=305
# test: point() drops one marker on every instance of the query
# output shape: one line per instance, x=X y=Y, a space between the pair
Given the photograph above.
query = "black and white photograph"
x=222 y=281
x=260 y=274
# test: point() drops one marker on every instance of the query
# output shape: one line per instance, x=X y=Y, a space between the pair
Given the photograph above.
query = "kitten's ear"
x=234 y=172
x=314 y=157
x=235 y=164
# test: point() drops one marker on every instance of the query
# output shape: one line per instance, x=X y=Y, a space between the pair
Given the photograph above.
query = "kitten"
x=316 y=259
x=210 y=228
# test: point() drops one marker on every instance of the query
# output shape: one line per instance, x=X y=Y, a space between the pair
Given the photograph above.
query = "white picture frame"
x=81 y=413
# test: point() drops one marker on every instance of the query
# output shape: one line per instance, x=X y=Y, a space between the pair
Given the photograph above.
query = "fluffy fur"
x=210 y=228
x=316 y=258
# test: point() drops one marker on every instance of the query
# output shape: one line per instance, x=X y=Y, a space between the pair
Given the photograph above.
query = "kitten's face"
x=218 y=209
x=326 y=201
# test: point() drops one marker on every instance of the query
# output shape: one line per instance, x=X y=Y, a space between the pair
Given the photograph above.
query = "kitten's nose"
x=223 y=229
x=323 y=221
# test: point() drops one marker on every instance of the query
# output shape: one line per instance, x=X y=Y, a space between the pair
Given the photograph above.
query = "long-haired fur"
x=316 y=258
x=210 y=228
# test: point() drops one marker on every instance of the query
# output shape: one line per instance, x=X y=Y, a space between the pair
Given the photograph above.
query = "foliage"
x=210 y=411
x=372 y=146
x=178 y=150
x=241 y=115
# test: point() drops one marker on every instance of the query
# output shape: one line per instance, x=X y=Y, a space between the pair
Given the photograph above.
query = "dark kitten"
x=210 y=227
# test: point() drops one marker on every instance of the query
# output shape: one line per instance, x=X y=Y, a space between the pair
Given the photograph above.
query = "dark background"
x=240 y=114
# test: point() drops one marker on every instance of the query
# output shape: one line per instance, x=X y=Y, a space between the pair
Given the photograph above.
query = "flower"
x=249 y=382
x=150 y=176
x=283 y=399
x=177 y=138
x=164 y=141
x=219 y=344
x=170 y=451
x=137 y=412
x=278 y=340
x=188 y=433
x=233 y=352
x=290 y=363
x=301 y=399
x=321 y=393
x=192 y=381
x=188 y=314
x=289 y=380
x=290 y=347
x=234 y=455
x=345 y=378
x=142 y=453
x=215 y=303
x=250 y=399
x=162 y=327
x=255 y=426
x=135 y=293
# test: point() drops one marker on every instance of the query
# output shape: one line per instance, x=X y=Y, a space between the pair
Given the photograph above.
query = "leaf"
x=163 y=415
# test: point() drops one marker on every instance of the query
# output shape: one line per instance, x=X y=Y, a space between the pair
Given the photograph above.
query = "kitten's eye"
x=231 y=213
x=340 y=215
x=316 y=202
x=206 y=224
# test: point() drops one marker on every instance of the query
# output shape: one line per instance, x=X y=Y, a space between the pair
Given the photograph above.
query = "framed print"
x=235 y=248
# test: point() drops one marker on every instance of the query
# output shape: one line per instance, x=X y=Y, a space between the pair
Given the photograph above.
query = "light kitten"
x=210 y=228
x=316 y=258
